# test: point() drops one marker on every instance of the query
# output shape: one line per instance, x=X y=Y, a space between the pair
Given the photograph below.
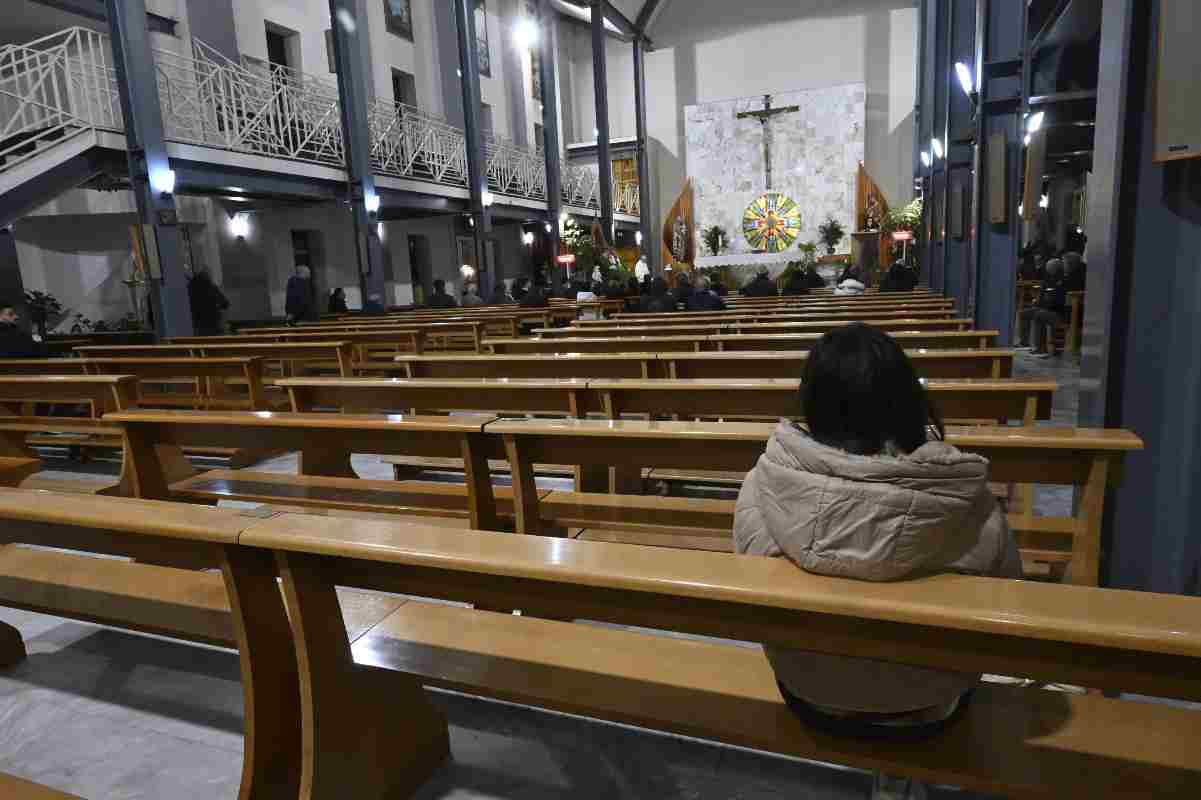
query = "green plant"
x=715 y=238
x=906 y=218
x=42 y=306
x=579 y=244
x=831 y=233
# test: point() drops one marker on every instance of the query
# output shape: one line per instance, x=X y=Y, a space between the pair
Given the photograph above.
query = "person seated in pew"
x=899 y=278
x=374 y=306
x=1074 y=272
x=659 y=301
x=851 y=283
x=439 y=298
x=501 y=296
x=683 y=288
x=812 y=279
x=796 y=285
x=1048 y=311
x=703 y=298
x=537 y=297
x=14 y=341
x=871 y=492
x=761 y=286
x=471 y=297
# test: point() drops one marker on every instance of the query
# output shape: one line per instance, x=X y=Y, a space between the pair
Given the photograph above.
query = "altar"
x=775 y=262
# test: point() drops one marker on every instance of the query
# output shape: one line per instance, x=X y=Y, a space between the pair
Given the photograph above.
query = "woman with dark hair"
x=337 y=301
x=868 y=490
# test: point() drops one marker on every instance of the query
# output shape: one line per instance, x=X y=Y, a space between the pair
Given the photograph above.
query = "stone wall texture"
x=815 y=153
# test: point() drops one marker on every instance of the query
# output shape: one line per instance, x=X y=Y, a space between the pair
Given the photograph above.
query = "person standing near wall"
x=299 y=305
x=208 y=303
x=14 y=341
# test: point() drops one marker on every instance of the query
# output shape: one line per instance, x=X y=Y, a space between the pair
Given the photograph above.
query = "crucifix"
x=764 y=117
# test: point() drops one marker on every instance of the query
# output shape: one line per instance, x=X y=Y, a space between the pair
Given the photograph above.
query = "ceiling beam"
x=646 y=17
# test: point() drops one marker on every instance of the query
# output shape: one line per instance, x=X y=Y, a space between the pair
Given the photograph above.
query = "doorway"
x=419 y=266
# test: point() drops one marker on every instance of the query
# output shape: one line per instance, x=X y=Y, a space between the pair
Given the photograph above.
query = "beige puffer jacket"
x=873 y=518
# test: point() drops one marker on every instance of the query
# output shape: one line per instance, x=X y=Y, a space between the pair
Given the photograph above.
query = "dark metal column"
x=1000 y=45
x=548 y=66
x=354 y=84
x=646 y=215
x=600 y=83
x=148 y=163
x=477 y=177
x=12 y=288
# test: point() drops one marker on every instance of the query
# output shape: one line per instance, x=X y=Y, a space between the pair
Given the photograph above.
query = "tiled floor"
x=108 y=714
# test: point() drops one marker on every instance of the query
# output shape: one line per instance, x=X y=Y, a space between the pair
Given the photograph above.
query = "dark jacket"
x=814 y=281
x=1074 y=281
x=762 y=286
x=337 y=304
x=16 y=343
x=681 y=293
x=299 y=304
x=535 y=298
x=1052 y=296
x=705 y=300
x=797 y=284
x=657 y=304
x=207 y=302
x=442 y=300
x=898 y=279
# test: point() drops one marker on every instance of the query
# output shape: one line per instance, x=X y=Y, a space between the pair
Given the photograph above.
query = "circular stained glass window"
x=771 y=223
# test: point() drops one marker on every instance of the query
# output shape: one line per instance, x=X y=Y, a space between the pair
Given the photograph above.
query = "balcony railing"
x=61 y=85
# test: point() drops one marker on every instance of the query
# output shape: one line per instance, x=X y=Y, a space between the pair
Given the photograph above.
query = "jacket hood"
x=881 y=517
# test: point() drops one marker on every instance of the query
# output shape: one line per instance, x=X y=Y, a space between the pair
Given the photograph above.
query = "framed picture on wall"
x=398 y=15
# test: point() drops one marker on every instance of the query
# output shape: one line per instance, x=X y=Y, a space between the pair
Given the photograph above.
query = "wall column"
x=650 y=246
x=12 y=288
x=548 y=70
x=600 y=82
x=354 y=92
x=477 y=177
x=148 y=163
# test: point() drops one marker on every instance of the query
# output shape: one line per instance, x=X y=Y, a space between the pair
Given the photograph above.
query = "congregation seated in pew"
x=870 y=491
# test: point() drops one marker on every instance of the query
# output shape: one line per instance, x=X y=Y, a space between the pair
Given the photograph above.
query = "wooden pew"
x=860 y=307
x=1022 y=742
x=1025 y=743
x=1089 y=459
x=19 y=397
x=325 y=443
x=754 y=317
x=336 y=355
x=750 y=364
x=985 y=399
x=668 y=328
x=733 y=342
x=208 y=378
x=413 y=339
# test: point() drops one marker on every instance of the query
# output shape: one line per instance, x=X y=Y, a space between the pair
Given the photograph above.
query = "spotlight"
x=371 y=202
x=1035 y=123
x=527 y=238
x=525 y=32
x=638 y=237
x=550 y=228
x=965 y=79
x=163 y=181
x=926 y=159
x=239 y=225
x=488 y=198
x=936 y=146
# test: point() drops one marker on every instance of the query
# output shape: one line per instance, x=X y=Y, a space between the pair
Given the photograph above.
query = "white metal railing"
x=408 y=143
x=61 y=85
x=52 y=89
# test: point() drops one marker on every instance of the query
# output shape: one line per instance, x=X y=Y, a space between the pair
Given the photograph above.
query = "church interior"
x=520 y=399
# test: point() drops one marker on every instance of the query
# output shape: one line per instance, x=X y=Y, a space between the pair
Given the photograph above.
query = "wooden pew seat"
x=14 y=469
x=1026 y=742
x=14 y=788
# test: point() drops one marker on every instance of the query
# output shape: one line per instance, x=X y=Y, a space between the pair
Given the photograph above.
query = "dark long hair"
x=861 y=392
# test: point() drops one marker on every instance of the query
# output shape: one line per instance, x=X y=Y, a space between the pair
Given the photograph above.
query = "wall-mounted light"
x=467 y=271
x=1026 y=141
x=550 y=228
x=562 y=219
x=527 y=238
x=936 y=148
x=488 y=198
x=525 y=32
x=965 y=79
x=163 y=181
x=379 y=230
x=239 y=225
x=1035 y=123
x=371 y=202
x=638 y=238
x=926 y=159
x=1044 y=202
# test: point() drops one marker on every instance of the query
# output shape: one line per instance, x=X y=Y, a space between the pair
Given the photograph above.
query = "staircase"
x=55 y=94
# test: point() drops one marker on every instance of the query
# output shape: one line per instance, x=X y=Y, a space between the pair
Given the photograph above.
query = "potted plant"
x=907 y=218
x=42 y=306
x=831 y=233
x=715 y=238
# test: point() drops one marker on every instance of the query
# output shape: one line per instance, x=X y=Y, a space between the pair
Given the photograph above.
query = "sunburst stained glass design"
x=772 y=222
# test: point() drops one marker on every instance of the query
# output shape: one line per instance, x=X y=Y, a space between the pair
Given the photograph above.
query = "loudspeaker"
x=1178 y=91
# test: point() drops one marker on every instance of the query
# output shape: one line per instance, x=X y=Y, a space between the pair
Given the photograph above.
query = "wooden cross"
x=764 y=117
